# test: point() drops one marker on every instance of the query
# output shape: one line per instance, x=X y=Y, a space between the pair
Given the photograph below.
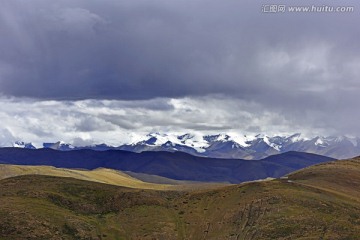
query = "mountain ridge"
x=225 y=145
x=174 y=165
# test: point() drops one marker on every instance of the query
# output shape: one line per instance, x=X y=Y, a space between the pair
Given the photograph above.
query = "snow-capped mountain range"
x=227 y=145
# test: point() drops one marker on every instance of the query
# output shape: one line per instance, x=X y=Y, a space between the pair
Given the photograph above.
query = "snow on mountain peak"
x=260 y=135
x=60 y=145
x=340 y=138
x=242 y=140
x=268 y=141
x=185 y=137
x=219 y=137
x=18 y=144
x=320 y=141
x=295 y=137
x=227 y=145
x=326 y=141
x=194 y=141
x=21 y=144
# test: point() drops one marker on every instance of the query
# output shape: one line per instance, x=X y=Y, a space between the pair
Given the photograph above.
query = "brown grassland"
x=319 y=202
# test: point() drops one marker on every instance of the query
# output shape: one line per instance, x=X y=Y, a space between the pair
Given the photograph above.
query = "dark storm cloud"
x=303 y=66
x=145 y=49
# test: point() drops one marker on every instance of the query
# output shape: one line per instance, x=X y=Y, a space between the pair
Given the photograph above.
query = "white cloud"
x=116 y=122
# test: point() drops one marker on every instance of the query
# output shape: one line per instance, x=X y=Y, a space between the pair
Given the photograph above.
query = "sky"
x=86 y=71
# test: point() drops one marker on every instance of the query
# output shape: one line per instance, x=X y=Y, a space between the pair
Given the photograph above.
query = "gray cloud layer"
x=302 y=66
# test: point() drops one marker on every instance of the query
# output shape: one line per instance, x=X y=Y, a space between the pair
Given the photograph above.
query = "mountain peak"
x=295 y=137
x=21 y=144
x=60 y=145
x=226 y=145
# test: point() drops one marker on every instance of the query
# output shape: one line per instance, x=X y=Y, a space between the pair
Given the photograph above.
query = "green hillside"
x=320 y=202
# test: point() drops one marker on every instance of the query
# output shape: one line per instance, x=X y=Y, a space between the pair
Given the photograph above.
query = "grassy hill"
x=320 y=202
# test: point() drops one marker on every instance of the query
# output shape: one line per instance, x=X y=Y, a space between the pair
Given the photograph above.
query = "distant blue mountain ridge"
x=174 y=165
